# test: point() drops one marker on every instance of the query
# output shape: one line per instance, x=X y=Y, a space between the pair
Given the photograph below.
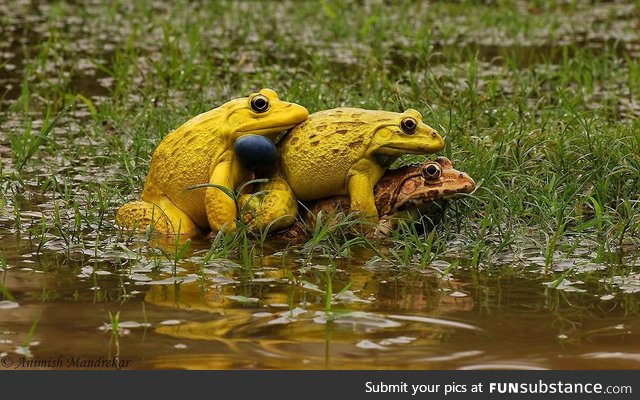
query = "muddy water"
x=217 y=314
x=67 y=285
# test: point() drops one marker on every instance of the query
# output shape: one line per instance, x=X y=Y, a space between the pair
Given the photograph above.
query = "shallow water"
x=68 y=281
x=216 y=314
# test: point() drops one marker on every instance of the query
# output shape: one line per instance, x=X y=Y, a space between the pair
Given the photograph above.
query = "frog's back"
x=318 y=154
x=183 y=159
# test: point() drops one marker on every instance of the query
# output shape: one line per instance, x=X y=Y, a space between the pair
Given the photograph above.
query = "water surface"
x=73 y=285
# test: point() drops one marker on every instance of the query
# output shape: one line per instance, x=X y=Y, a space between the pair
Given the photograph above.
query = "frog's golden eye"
x=259 y=104
x=432 y=172
x=409 y=125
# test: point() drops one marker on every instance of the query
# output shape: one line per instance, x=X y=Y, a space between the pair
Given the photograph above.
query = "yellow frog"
x=342 y=151
x=201 y=152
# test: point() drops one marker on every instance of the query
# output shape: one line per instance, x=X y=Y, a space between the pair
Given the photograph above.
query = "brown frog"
x=412 y=191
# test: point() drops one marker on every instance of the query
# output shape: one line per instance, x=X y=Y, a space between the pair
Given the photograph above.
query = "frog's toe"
x=138 y=215
x=381 y=230
x=220 y=225
x=221 y=211
x=267 y=211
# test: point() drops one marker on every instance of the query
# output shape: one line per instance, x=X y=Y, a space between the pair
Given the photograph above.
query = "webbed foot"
x=162 y=215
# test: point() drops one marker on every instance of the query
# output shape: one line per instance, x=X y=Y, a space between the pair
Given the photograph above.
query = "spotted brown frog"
x=413 y=192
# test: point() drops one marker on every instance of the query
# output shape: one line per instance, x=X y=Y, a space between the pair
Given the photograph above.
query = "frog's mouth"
x=422 y=204
x=411 y=146
x=272 y=131
x=274 y=121
x=433 y=194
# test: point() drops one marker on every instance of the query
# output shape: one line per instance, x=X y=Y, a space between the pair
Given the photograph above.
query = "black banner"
x=325 y=385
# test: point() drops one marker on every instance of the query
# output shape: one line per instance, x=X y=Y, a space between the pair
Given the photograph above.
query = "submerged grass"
x=544 y=118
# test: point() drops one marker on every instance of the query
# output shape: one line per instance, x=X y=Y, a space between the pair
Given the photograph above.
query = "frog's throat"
x=384 y=160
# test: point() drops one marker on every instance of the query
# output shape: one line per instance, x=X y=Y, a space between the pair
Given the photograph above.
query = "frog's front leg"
x=382 y=229
x=360 y=185
x=220 y=207
x=273 y=206
x=361 y=195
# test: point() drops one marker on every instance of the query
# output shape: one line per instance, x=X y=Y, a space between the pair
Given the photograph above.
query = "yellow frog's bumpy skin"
x=345 y=151
x=201 y=152
x=273 y=207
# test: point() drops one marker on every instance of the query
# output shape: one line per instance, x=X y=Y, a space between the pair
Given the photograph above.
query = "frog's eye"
x=409 y=125
x=432 y=172
x=259 y=104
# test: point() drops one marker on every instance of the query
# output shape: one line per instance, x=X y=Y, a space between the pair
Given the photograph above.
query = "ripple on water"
x=357 y=320
x=8 y=304
x=565 y=285
x=434 y=321
x=502 y=365
x=628 y=284
x=171 y=322
x=287 y=317
x=369 y=345
x=384 y=344
x=173 y=280
x=453 y=356
x=613 y=355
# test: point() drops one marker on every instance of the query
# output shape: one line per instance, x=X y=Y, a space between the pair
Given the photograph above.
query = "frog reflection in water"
x=201 y=152
x=343 y=151
x=224 y=330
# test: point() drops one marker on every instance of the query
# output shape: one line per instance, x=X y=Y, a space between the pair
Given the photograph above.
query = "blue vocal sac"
x=256 y=153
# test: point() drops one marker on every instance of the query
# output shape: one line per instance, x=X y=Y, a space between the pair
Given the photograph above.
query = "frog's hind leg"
x=165 y=217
